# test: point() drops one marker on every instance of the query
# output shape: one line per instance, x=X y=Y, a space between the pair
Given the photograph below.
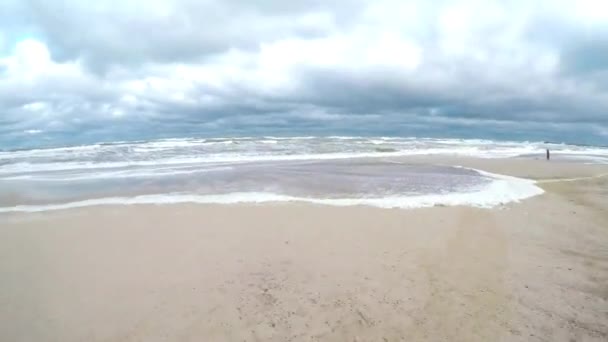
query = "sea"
x=336 y=170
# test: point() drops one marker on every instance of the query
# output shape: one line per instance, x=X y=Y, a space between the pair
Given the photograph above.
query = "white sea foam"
x=144 y=173
x=106 y=157
x=222 y=158
x=502 y=190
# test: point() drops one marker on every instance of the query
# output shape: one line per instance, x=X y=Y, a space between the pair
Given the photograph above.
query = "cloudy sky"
x=75 y=71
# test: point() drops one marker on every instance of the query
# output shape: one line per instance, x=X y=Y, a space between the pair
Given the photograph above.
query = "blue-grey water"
x=296 y=167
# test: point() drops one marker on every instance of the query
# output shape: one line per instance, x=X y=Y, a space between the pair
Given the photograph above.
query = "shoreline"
x=529 y=271
x=506 y=174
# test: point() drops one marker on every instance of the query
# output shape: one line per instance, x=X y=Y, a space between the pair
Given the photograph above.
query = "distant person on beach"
x=548 y=154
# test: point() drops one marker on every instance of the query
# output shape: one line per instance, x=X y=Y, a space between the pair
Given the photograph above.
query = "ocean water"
x=324 y=170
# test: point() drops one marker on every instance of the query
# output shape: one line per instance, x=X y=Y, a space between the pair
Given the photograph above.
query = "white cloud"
x=35 y=106
x=467 y=60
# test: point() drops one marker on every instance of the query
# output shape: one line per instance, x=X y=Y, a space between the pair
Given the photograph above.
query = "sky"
x=74 y=72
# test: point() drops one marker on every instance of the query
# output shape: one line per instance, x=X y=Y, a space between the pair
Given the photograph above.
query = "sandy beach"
x=530 y=271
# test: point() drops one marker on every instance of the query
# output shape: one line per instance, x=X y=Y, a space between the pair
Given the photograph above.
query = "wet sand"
x=530 y=271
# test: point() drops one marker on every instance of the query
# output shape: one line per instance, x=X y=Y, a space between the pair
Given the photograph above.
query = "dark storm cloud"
x=582 y=46
x=106 y=33
x=377 y=92
x=586 y=59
